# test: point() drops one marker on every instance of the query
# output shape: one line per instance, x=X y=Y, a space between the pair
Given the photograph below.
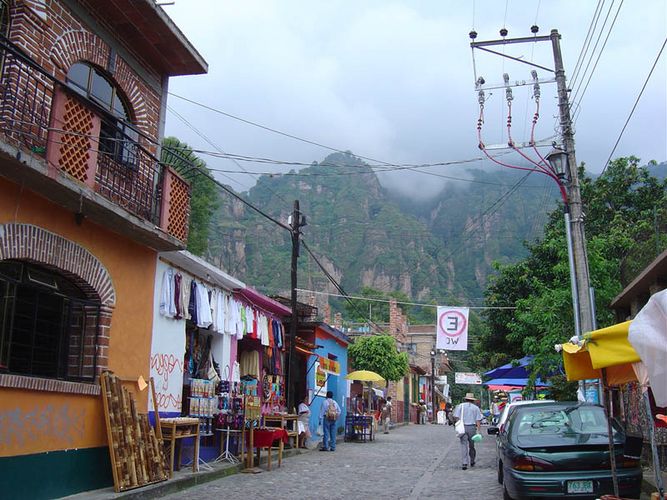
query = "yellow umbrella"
x=364 y=376
x=604 y=348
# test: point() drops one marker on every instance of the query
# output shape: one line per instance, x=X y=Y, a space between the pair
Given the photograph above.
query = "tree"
x=378 y=353
x=204 y=196
x=620 y=206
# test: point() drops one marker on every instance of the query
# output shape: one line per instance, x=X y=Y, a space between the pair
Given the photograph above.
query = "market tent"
x=514 y=382
x=648 y=335
x=604 y=348
x=517 y=369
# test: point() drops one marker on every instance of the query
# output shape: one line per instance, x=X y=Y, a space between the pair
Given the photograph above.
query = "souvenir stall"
x=193 y=354
x=262 y=362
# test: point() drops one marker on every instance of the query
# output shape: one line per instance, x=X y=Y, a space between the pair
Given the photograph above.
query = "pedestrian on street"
x=303 y=422
x=470 y=414
x=386 y=415
x=329 y=413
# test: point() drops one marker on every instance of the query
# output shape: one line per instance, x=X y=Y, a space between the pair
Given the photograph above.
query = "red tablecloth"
x=263 y=438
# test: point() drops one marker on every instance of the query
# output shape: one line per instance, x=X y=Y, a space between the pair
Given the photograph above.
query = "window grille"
x=47 y=327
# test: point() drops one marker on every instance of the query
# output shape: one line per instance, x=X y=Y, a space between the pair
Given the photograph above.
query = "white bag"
x=459 y=428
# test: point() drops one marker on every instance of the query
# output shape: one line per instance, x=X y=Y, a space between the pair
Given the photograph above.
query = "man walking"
x=386 y=415
x=471 y=416
x=329 y=413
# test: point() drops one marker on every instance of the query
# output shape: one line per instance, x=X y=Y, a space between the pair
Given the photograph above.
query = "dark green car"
x=561 y=450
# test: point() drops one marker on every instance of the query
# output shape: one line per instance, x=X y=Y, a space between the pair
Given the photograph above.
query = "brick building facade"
x=85 y=206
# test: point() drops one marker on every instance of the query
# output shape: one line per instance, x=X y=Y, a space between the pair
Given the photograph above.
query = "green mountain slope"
x=440 y=249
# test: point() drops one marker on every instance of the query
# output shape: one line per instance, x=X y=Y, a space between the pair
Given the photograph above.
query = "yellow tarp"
x=604 y=348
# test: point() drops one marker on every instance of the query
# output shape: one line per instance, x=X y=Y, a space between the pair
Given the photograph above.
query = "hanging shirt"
x=177 y=296
x=204 y=318
x=184 y=299
x=192 y=303
x=167 y=305
x=263 y=329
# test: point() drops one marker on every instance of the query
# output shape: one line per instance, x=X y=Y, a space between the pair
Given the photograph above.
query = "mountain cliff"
x=440 y=249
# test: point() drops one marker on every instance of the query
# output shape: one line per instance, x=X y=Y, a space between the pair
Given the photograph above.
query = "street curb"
x=181 y=482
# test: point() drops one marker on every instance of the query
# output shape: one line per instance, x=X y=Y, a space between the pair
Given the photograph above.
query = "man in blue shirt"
x=329 y=413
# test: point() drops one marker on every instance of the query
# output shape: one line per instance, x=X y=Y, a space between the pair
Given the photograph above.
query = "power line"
x=590 y=76
x=386 y=301
x=587 y=41
x=655 y=63
x=575 y=93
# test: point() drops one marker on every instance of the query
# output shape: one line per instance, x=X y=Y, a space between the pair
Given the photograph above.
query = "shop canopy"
x=604 y=348
x=515 y=370
x=648 y=335
x=518 y=383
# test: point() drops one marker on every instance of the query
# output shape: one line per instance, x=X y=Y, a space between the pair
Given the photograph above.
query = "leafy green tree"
x=379 y=354
x=621 y=206
x=204 y=196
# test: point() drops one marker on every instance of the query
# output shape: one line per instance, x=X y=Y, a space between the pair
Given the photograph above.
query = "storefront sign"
x=320 y=381
x=452 y=328
x=329 y=366
x=467 y=378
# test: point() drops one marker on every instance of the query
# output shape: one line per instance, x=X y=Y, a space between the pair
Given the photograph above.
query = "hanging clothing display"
x=204 y=318
x=192 y=303
x=167 y=305
x=249 y=361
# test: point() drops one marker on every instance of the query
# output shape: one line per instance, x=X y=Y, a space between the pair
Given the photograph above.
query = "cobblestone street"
x=416 y=461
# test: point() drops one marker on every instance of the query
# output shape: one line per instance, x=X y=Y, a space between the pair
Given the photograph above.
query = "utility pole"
x=574 y=223
x=582 y=277
x=296 y=222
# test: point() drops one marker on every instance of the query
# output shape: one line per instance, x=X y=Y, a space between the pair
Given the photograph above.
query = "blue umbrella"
x=518 y=382
x=518 y=369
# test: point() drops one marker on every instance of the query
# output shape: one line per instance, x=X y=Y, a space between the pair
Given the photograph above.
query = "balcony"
x=65 y=148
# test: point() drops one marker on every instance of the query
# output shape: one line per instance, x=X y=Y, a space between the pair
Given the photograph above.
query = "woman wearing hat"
x=471 y=415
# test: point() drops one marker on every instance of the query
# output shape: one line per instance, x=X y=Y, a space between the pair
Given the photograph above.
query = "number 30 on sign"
x=452 y=328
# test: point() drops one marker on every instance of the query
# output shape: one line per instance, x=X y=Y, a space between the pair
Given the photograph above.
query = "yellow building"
x=84 y=209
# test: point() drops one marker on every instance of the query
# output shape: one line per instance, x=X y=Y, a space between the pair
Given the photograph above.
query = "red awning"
x=263 y=302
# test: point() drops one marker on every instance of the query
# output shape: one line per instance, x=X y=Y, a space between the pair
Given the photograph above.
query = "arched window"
x=48 y=328
x=118 y=138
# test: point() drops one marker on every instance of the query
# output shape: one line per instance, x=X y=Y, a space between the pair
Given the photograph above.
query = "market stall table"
x=264 y=438
x=359 y=428
x=179 y=428
x=287 y=421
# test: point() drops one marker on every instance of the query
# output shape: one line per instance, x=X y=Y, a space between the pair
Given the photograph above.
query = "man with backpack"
x=329 y=413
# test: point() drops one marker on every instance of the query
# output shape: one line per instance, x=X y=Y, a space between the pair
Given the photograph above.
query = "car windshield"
x=561 y=421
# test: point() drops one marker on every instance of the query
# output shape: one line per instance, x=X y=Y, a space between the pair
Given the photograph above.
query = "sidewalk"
x=184 y=479
x=648 y=483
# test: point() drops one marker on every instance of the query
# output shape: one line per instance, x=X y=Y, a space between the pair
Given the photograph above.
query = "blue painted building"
x=326 y=367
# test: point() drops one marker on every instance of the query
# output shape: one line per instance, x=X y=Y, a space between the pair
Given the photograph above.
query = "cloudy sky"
x=394 y=80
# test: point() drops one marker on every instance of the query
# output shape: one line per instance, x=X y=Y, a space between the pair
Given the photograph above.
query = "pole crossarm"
x=509 y=41
x=514 y=58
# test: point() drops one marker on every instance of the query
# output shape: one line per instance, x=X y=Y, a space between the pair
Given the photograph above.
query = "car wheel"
x=506 y=495
x=500 y=472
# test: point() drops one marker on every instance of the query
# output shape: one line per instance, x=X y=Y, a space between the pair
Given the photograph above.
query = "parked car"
x=508 y=409
x=561 y=449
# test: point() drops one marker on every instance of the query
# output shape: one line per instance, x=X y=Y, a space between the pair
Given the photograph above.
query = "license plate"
x=580 y=486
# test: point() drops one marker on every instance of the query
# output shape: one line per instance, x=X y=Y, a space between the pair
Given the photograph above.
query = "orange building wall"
x=132 y=269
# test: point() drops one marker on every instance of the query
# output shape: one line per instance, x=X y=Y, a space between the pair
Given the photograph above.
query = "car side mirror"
x=492 y=430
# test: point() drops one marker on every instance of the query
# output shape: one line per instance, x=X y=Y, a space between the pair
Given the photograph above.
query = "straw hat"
x=470 y=397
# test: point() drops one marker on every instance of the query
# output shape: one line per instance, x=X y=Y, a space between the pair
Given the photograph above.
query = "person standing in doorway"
x=471 y=416
x=303 y=422
x=329 y=413
x=386 y=415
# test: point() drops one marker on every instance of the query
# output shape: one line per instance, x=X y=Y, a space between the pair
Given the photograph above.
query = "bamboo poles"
x=137 y=458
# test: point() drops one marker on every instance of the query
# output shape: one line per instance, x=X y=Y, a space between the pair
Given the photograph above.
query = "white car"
x=508 y=409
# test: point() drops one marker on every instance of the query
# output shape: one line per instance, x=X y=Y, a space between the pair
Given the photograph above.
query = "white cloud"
x=393 y=80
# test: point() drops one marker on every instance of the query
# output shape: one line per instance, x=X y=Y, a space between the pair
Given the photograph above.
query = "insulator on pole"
x=472 y=34
x=503 y=32
x=534 y=29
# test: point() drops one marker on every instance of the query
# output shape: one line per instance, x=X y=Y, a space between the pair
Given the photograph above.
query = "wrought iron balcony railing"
x=41 y=115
